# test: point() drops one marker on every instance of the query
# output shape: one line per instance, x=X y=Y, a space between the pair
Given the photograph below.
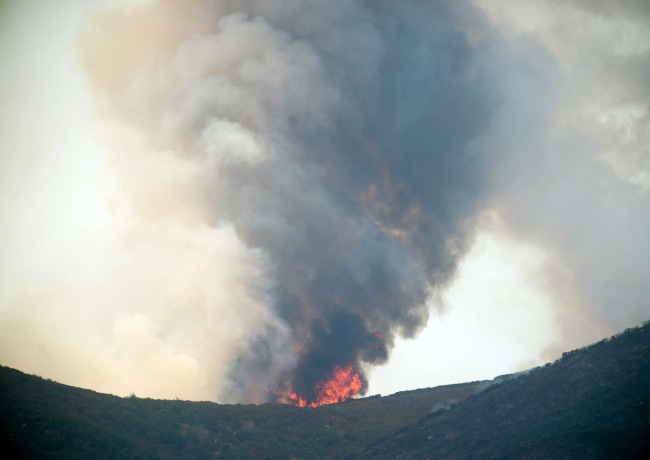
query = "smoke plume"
x=332 y=138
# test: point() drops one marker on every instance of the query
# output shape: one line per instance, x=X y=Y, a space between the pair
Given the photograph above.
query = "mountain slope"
x=592 y=403
x=45 y=419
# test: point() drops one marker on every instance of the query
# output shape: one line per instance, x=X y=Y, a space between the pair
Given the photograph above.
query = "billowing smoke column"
x=332 y=136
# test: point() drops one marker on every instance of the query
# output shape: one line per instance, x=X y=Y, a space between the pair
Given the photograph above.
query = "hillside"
x=44 y=419
x=593 y=403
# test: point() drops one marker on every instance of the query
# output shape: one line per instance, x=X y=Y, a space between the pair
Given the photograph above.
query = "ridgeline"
x=592 y=403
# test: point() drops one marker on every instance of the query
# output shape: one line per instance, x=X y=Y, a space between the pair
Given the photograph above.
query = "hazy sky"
x=202 y=198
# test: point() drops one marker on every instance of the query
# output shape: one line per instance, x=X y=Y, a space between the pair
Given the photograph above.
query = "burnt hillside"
x=593 y=403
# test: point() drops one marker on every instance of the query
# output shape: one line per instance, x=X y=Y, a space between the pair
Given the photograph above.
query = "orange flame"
x=344 y=384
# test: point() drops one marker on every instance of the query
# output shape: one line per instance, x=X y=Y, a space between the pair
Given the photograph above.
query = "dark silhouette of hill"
x=593 y=403
x=43 y=419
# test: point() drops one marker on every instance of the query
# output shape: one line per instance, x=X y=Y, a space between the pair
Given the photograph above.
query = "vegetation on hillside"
x=40 y=418
x=593 y=403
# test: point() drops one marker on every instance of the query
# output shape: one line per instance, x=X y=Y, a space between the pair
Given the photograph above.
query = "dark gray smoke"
x=362 y=207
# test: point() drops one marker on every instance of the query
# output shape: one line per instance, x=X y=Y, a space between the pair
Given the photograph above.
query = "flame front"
x=344 y=384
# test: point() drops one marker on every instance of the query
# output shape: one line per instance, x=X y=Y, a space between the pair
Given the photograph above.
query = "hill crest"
x=591 y=403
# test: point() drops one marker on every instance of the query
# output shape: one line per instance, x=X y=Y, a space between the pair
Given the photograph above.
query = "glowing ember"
x=380 y=338
x=344 y=384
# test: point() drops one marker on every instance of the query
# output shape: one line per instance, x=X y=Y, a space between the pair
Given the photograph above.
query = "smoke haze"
x=297 y=182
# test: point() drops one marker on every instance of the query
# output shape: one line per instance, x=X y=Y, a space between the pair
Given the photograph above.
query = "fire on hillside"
x=343 y=385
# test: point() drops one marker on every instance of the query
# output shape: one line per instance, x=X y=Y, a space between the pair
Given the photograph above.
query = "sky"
x=203 y=199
